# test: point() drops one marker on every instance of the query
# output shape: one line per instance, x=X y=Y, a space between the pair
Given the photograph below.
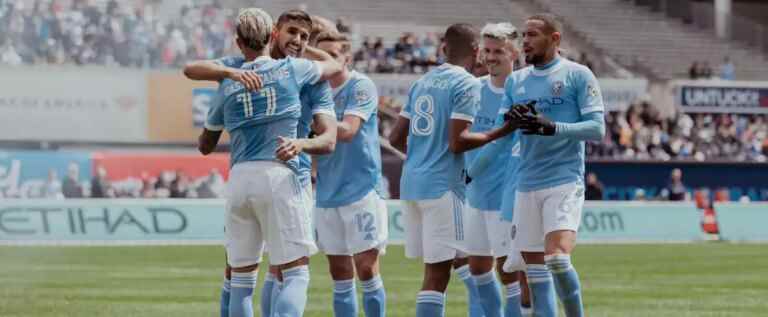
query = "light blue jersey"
x=484 y=192
x=353 y=170
x=255 y=119
x=564 y=91
x=431 y=169
x=315 y=99
x=510 y=178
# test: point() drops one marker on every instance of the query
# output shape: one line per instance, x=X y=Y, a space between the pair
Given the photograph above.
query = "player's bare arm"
x=462 y=140
x=348 y=128
x=330 y=67
x=211 y=71
x=207 y=141
x=323 y=143
x=399 y=136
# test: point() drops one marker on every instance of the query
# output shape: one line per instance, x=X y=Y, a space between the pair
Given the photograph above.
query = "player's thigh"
x=527 y=231
x=289 y=233
x=244 y=238
x=477 y=233
x=562 y=216
x=331 y=232
x=414 y=234
x=443 y=228
x=365 y=224
x=499 y=234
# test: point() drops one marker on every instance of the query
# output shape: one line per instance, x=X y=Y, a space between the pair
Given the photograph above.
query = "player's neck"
x=466 y=63
x=498 y=81
x=549 y=61
x=340 y=79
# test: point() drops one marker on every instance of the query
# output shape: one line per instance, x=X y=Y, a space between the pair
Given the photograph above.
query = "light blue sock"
x=513 y=301
x=270 y=282
x=542 y=290
x=374 y=297
x=293 y=297
x=566 y=283
x=273 y=298
x=344 y=298
x=475 y=309
x=430 y=304
x=490 y=293
x=241 y=294
x=224 y=302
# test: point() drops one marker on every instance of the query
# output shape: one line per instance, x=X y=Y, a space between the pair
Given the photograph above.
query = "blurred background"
x=92 y=102
x=98 y=131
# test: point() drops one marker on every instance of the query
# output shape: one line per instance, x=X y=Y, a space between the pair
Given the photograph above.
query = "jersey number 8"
x=423 y=120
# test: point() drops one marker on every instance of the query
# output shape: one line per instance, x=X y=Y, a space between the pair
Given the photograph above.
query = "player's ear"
x=556 y=37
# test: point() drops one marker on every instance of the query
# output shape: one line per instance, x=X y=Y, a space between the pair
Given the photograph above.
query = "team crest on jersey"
x=592 y=90
x=361 y=95
x=557 y=88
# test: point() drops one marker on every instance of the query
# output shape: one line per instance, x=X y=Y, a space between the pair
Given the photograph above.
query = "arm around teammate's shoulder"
x=213 y=70
x=329 y=67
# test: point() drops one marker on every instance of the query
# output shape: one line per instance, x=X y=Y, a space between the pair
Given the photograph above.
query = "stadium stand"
x=643 y=39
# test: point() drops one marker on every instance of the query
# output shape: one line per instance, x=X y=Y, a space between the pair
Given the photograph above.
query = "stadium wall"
x=173 y=221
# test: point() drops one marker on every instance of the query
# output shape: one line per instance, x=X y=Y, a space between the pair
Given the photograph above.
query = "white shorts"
x=267 y=206
x=354 y=228
x=434 y=228
x=540 y=212
x=487 y=233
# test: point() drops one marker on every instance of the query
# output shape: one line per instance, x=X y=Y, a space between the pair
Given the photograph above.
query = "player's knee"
x=560 y=242
x=341 y=267
x=480 y=264
x=245 y=269
x=436 y=276
x=367 y=264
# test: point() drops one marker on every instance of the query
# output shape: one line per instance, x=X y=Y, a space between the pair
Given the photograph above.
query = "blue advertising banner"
x=639 y=221
x=743 y=222
x=622 y=180
x=34 y=174
x=201 y=101
x=723 y=97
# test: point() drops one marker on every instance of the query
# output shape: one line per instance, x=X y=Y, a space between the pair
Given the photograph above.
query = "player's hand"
x=518 y=112
x=287 y=148
x=535 y=123
x=250 y=79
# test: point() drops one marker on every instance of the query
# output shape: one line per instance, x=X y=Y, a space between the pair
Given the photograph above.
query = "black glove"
x=518 y=112
x=534 y=123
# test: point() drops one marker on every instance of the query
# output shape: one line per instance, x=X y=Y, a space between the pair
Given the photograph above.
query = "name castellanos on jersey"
x=266 y=79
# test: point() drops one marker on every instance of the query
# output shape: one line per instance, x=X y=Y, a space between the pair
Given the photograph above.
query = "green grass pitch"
x=618 y=280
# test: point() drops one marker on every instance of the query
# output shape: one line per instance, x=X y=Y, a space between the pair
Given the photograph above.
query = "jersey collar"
x=548 y=69
x=494 y=89
x=262 y=58
x=341 y=87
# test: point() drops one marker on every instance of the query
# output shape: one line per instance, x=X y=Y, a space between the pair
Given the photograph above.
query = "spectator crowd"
x=640 y=133
x=85 y=32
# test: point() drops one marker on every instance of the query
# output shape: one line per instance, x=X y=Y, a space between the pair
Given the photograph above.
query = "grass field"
x=618 y=280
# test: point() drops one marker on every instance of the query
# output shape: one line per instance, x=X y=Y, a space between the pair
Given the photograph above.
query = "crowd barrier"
x=137 y=221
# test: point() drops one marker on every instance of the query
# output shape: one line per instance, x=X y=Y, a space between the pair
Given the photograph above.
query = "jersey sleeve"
x=509 y=99
x=306 y=72
x=408 y=107
x=230 y=61
x=321 y=96
x=365 y=100
x=214 y=121
x=466 y=99
x=589 y=97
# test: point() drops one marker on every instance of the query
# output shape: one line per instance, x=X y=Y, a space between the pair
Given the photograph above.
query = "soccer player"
x=433 y=129
x=488 y=233
x=550 y=191
x=351 y=218
x=267 y=204
x=294 y=28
